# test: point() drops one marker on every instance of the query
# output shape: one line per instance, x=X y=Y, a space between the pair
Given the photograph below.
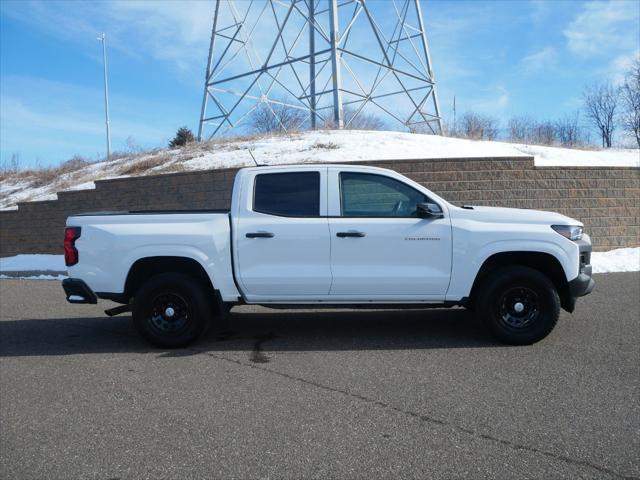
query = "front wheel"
x=519 y=305
x=171 y=310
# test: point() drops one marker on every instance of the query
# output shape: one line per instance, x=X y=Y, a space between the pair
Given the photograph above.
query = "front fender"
x=468 y=261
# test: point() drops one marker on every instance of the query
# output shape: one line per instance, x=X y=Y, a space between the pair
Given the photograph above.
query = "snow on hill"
x=313 y=146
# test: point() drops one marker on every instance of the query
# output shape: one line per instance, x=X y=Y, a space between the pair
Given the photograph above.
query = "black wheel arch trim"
x=544 y=263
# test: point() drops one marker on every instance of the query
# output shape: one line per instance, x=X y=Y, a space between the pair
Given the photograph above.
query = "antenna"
x=254 y=158
x=103 y=39
x=455 y=125
x=311 y=63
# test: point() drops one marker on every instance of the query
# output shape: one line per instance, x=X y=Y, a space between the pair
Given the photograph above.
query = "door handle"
x=350 y=234
x=259 y=235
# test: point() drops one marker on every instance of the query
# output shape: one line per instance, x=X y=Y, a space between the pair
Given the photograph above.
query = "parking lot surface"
x=333 y=394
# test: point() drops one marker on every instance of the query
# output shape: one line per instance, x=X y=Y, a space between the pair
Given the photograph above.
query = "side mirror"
x=429 y=210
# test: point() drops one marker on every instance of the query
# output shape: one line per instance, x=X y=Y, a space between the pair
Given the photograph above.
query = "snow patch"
x=35 y=277
x=33 y=263
x=565 y=157
x=81 y=186
x=619 y=260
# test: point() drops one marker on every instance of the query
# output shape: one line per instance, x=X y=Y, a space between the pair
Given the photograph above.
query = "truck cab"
x=339 y=234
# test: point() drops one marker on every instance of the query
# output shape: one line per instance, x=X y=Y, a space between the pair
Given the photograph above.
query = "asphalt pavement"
x=319 y=394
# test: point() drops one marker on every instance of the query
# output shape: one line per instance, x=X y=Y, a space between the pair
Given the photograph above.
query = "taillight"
x=71 y=234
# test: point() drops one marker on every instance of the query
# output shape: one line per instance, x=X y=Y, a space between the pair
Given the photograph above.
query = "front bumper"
x=583 y=284
x=77 y=291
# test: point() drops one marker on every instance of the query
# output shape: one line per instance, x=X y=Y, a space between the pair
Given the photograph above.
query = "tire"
x=171 y=310
x=519 y=305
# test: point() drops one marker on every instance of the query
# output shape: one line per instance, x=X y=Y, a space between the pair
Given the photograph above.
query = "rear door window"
x=290 y=194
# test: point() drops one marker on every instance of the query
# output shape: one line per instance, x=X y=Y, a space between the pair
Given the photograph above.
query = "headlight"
x=572 y=232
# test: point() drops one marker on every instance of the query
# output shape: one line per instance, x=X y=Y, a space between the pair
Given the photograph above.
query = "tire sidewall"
x=548 y=305
x=190 y=290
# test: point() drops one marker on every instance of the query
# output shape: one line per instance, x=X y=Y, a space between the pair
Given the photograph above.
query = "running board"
x=118 y=310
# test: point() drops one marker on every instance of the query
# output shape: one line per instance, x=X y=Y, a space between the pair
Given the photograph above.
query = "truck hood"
x=512 y=215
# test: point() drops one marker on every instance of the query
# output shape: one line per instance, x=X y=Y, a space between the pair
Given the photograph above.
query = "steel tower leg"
x=427 y=55
x=207 y=76
x=336 y=74
x=312 y=63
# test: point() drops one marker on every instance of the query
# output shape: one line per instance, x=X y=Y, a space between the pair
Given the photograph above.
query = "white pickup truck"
x=329 y=235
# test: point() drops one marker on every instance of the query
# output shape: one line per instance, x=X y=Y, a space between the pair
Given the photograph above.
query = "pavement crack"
x=426 y=418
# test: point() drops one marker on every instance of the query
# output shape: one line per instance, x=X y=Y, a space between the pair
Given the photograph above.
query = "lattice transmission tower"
x=324 y=63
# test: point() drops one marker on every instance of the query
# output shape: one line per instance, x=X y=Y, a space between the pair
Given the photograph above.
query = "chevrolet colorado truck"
x=334 y=236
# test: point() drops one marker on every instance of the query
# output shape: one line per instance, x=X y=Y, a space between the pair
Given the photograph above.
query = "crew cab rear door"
x=282 y=235
x=380 y=249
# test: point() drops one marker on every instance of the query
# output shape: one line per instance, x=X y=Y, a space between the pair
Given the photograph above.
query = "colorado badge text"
x=421 y=238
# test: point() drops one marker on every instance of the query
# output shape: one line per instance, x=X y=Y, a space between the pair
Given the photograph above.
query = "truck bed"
x=110 y=243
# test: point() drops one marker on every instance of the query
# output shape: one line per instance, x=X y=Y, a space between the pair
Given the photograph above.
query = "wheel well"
x=545 y=263
x=145 y=268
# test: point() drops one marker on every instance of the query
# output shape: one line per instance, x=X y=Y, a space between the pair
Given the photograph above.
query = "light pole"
x=102 y=38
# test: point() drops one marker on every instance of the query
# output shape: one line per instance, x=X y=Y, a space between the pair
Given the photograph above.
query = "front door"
x=283 y=237
x=380 y=249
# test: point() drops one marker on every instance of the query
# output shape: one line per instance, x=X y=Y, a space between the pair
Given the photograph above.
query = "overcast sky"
x=502 y=58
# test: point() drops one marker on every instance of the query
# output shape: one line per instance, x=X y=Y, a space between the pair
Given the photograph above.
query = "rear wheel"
x=519 y=305
x=171 y=310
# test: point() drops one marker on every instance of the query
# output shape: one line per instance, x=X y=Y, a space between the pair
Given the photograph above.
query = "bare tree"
x=601 y=102
x=630 y=97
x=568 y=130
x=543 y=133
x=519 y=129
x=11 y=165
x=15 y=162
x=478 y=126
x=132 y=145
x=565 y=131
x=362 y=120
x=450 y=127
x=277 y=116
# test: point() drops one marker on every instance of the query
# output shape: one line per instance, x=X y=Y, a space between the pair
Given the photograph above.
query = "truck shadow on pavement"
x=256 y=333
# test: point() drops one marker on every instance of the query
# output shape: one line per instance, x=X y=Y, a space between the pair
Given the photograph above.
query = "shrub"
x=183 y=136
x=74 y=163
x=144 y=166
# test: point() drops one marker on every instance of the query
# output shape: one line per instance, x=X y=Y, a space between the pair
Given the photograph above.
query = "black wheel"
x=519 y=305
x=171 y=310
